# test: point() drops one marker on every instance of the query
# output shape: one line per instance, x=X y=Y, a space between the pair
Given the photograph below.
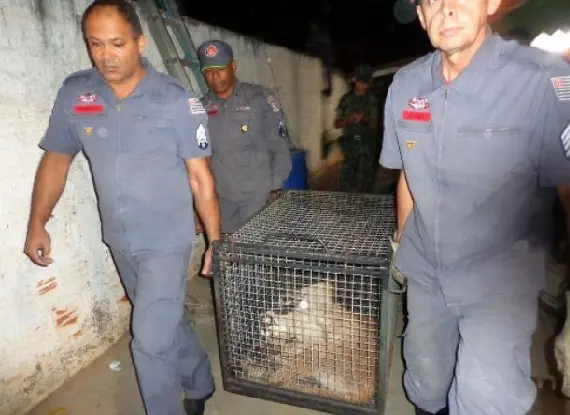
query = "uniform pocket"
x=491 y=150
x=421 y=127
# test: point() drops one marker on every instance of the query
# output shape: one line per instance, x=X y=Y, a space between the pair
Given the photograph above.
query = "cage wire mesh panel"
x=299 y=296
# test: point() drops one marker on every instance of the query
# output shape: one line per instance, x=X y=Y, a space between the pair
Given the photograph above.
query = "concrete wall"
x=56 y=320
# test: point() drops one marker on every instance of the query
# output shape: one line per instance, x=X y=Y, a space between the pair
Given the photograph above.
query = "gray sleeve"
x=390 y=157
x=60 y=136
x=191 y=123
x=554 y=164
x=275 y=135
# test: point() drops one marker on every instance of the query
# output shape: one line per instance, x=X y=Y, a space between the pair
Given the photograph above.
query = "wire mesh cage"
x=305 y=305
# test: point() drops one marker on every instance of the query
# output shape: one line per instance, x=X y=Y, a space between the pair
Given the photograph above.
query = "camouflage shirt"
x=367 y=104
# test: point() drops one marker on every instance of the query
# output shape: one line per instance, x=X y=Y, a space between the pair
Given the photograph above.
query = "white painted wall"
x=56 y=320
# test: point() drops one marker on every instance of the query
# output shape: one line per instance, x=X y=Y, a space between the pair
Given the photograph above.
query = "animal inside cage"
x=305 y=305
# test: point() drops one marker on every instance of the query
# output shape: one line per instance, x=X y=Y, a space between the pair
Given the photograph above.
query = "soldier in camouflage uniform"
x=357 y=115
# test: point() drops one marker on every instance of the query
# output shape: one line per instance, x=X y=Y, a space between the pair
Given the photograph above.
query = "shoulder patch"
x=201 y=137
x=566 y=141
x=195 y=106
x=273 y=103
x=561 y=86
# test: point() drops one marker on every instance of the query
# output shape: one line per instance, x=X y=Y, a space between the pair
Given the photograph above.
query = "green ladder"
x=160 y=15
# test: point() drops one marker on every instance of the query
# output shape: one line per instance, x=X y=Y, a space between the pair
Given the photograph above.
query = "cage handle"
x=305 y=238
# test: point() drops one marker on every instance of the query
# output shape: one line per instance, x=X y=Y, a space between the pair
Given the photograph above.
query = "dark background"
x=362 y=31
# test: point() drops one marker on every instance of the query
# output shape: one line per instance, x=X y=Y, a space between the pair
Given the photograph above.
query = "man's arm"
x=275 y=135
x=205 y=198
x=60 y=144
x=404 y=204
x=49 y=184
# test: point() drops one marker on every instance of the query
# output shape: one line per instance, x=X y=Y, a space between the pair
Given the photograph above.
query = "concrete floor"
x=98 y=390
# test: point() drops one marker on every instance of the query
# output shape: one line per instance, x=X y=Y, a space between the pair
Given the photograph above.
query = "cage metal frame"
x=231 y=251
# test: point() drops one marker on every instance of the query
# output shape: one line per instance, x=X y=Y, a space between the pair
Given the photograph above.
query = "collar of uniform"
x=143 y=87
x=471 y=78
x=235 y=92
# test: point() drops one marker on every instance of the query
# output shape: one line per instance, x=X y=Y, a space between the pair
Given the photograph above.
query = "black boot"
x=443 y=411
x=195 y=406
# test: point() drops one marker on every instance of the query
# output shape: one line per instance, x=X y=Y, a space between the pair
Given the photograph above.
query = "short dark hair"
x=125 y=9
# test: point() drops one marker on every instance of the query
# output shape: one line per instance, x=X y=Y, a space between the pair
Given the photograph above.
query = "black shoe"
x=195 y=406
x=443 y=411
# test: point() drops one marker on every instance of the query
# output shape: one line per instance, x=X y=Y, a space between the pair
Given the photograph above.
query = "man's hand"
x=274 y=195
x=38 y=246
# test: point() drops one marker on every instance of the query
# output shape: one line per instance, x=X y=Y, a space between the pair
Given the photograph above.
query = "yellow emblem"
x=244 y=128
x=88 y=130
x=410 y=144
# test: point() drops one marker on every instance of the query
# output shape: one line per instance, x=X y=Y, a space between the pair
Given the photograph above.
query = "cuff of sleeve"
x=390 y=163
x=61 y=149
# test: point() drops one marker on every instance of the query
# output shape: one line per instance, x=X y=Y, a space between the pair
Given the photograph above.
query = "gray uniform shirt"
x=250 y=154
x=477 y=153
x=137 y=149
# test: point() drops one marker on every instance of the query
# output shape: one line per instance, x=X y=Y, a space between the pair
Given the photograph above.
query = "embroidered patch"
x=87 y=98
x=418 y=103
x=418 y=116
x=565 y=137
x=88 y=109
x=196 y=106
x=272 y=103
x=201 y=137
x=561 y=86
x=282 y=130
x=211 y=51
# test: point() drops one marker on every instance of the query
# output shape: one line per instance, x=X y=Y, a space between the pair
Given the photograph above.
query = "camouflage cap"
x=363 y=73
x=215 y=54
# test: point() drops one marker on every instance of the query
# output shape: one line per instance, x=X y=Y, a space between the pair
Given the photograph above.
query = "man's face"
x=454 y=25
x=112 y=45
x=221 y=80
x=361 y=87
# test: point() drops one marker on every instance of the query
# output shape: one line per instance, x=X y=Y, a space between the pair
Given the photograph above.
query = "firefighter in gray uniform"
x=147 y=142
x=476 y=128
x=250 y=154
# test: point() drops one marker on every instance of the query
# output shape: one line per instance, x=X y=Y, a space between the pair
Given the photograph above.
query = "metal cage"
x=305 y=304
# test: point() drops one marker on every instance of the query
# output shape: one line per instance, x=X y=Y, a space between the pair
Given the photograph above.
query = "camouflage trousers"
x=358 y=169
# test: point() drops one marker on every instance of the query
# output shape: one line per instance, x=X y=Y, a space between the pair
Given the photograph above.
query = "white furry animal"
x=320 y=348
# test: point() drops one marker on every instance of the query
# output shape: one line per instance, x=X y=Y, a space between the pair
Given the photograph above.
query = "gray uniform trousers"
x=167 y=354
x=476 y=357
x=235 y=213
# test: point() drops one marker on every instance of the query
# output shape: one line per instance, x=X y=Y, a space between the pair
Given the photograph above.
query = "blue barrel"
x=298 y=178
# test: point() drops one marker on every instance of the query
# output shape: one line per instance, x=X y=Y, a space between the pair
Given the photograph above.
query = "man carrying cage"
x=477 y=129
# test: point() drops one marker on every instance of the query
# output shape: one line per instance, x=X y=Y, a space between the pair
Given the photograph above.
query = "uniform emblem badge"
x=196 y=106
x=561 y=86
x=565 y=137
x=211 y=51
x=201 y=137
x=244 y=128
x=410 y=144
x=272 y=103
x=87 y=98
x=88 y=130
x=418 y=103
